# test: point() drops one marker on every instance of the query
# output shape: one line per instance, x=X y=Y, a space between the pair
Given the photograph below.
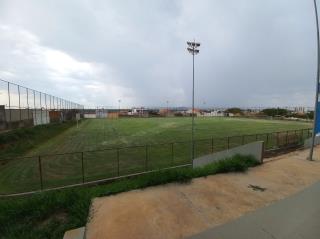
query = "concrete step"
x=75 y=233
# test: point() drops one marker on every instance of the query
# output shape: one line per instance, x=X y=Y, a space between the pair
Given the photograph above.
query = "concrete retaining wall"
x=307 y=142
x=255 y=149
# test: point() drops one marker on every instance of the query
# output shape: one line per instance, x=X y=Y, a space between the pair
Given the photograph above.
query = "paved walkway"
x=182 y=210
x=295 y=217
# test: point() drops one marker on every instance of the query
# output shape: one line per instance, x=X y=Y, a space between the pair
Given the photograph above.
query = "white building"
x=138 y=111
x=215 y=113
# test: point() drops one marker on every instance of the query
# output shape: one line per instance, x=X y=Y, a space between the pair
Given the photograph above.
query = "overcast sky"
x=253 y=52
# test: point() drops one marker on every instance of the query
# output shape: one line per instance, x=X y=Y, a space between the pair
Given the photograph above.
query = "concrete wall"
x=41 y=117
x=255 y=149
x=307 y=142
x=18 y=118
x=90 y=116
x=18 y=115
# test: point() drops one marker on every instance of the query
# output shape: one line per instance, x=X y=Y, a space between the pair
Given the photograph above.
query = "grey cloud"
x=253 y=53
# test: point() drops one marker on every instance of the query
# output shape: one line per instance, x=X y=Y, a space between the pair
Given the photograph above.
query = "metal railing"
x=43 y=172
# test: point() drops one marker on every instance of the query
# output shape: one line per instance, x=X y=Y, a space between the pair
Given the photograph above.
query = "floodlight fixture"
x=193 y=44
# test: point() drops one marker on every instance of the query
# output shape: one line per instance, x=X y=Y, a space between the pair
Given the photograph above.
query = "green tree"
x=234 y=111
x=275 y=112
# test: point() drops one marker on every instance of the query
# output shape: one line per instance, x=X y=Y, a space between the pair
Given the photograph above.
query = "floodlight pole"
x=317 y=89
x=167 y=108
x=192 y=137
x=119 y=107
x=193 y=50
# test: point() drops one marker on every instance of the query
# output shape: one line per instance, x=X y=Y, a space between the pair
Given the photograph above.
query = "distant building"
x=214 y=113
x=101 y=113
x=197 y=112
x=138 y=112
x=166 y=112
x=299 y=110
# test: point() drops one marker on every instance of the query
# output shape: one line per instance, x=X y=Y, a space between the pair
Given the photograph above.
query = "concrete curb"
x=256 y=149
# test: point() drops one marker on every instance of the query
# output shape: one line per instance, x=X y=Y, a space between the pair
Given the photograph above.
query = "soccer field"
x=79 y=161
x=95 y=134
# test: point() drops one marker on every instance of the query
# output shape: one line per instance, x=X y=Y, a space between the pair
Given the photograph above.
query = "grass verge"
x=50 y=214
x=16 y=142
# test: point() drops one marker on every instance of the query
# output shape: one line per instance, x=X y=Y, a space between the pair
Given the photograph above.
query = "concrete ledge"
x=295 y=217
x=307 y=142
x=75 y=233
x=255 y=149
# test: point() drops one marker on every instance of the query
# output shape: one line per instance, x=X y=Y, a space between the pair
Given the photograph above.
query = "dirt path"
x=178 y=211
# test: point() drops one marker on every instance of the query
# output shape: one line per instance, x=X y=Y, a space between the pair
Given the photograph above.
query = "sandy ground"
x=181 y=210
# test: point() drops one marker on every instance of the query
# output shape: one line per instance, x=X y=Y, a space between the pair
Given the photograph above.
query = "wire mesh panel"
x=19 y=175
x=4 y=97
x=31 y=98
x=23 y=97
x=202 y=147
x=293 y=138
x=262 y=137
x=37 y=100
x=61 y=170
x=271 y=141
x=100 y=165
x=160 y=156
x=306 y=133
x=249 y=138
x=132 y=160
x=182 y=153
x=282 y=139
x=220 y=144
x=235 y=141
x=14 y=96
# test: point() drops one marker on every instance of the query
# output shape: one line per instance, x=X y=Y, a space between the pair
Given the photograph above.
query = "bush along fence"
x=43 y=172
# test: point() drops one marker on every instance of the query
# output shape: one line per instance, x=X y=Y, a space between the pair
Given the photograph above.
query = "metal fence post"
x=28 y=103
x=287 y=138
x=277 y=139
x=41 y=108
x=212 y=145
x=118 y=161
x=172 y=154
x=9 y=102
x=228 y=142
x=267 y=141
x=193 y=151
x=82 y=167
x=34 y=116
x=40 y=173
x=46 y=113
x=19 y=103
x=146 y=157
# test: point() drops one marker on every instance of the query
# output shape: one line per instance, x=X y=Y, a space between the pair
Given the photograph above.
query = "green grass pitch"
x=99 y=134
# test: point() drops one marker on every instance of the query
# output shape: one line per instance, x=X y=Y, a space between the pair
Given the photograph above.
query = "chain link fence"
x=43 y=172
x=23 y=107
